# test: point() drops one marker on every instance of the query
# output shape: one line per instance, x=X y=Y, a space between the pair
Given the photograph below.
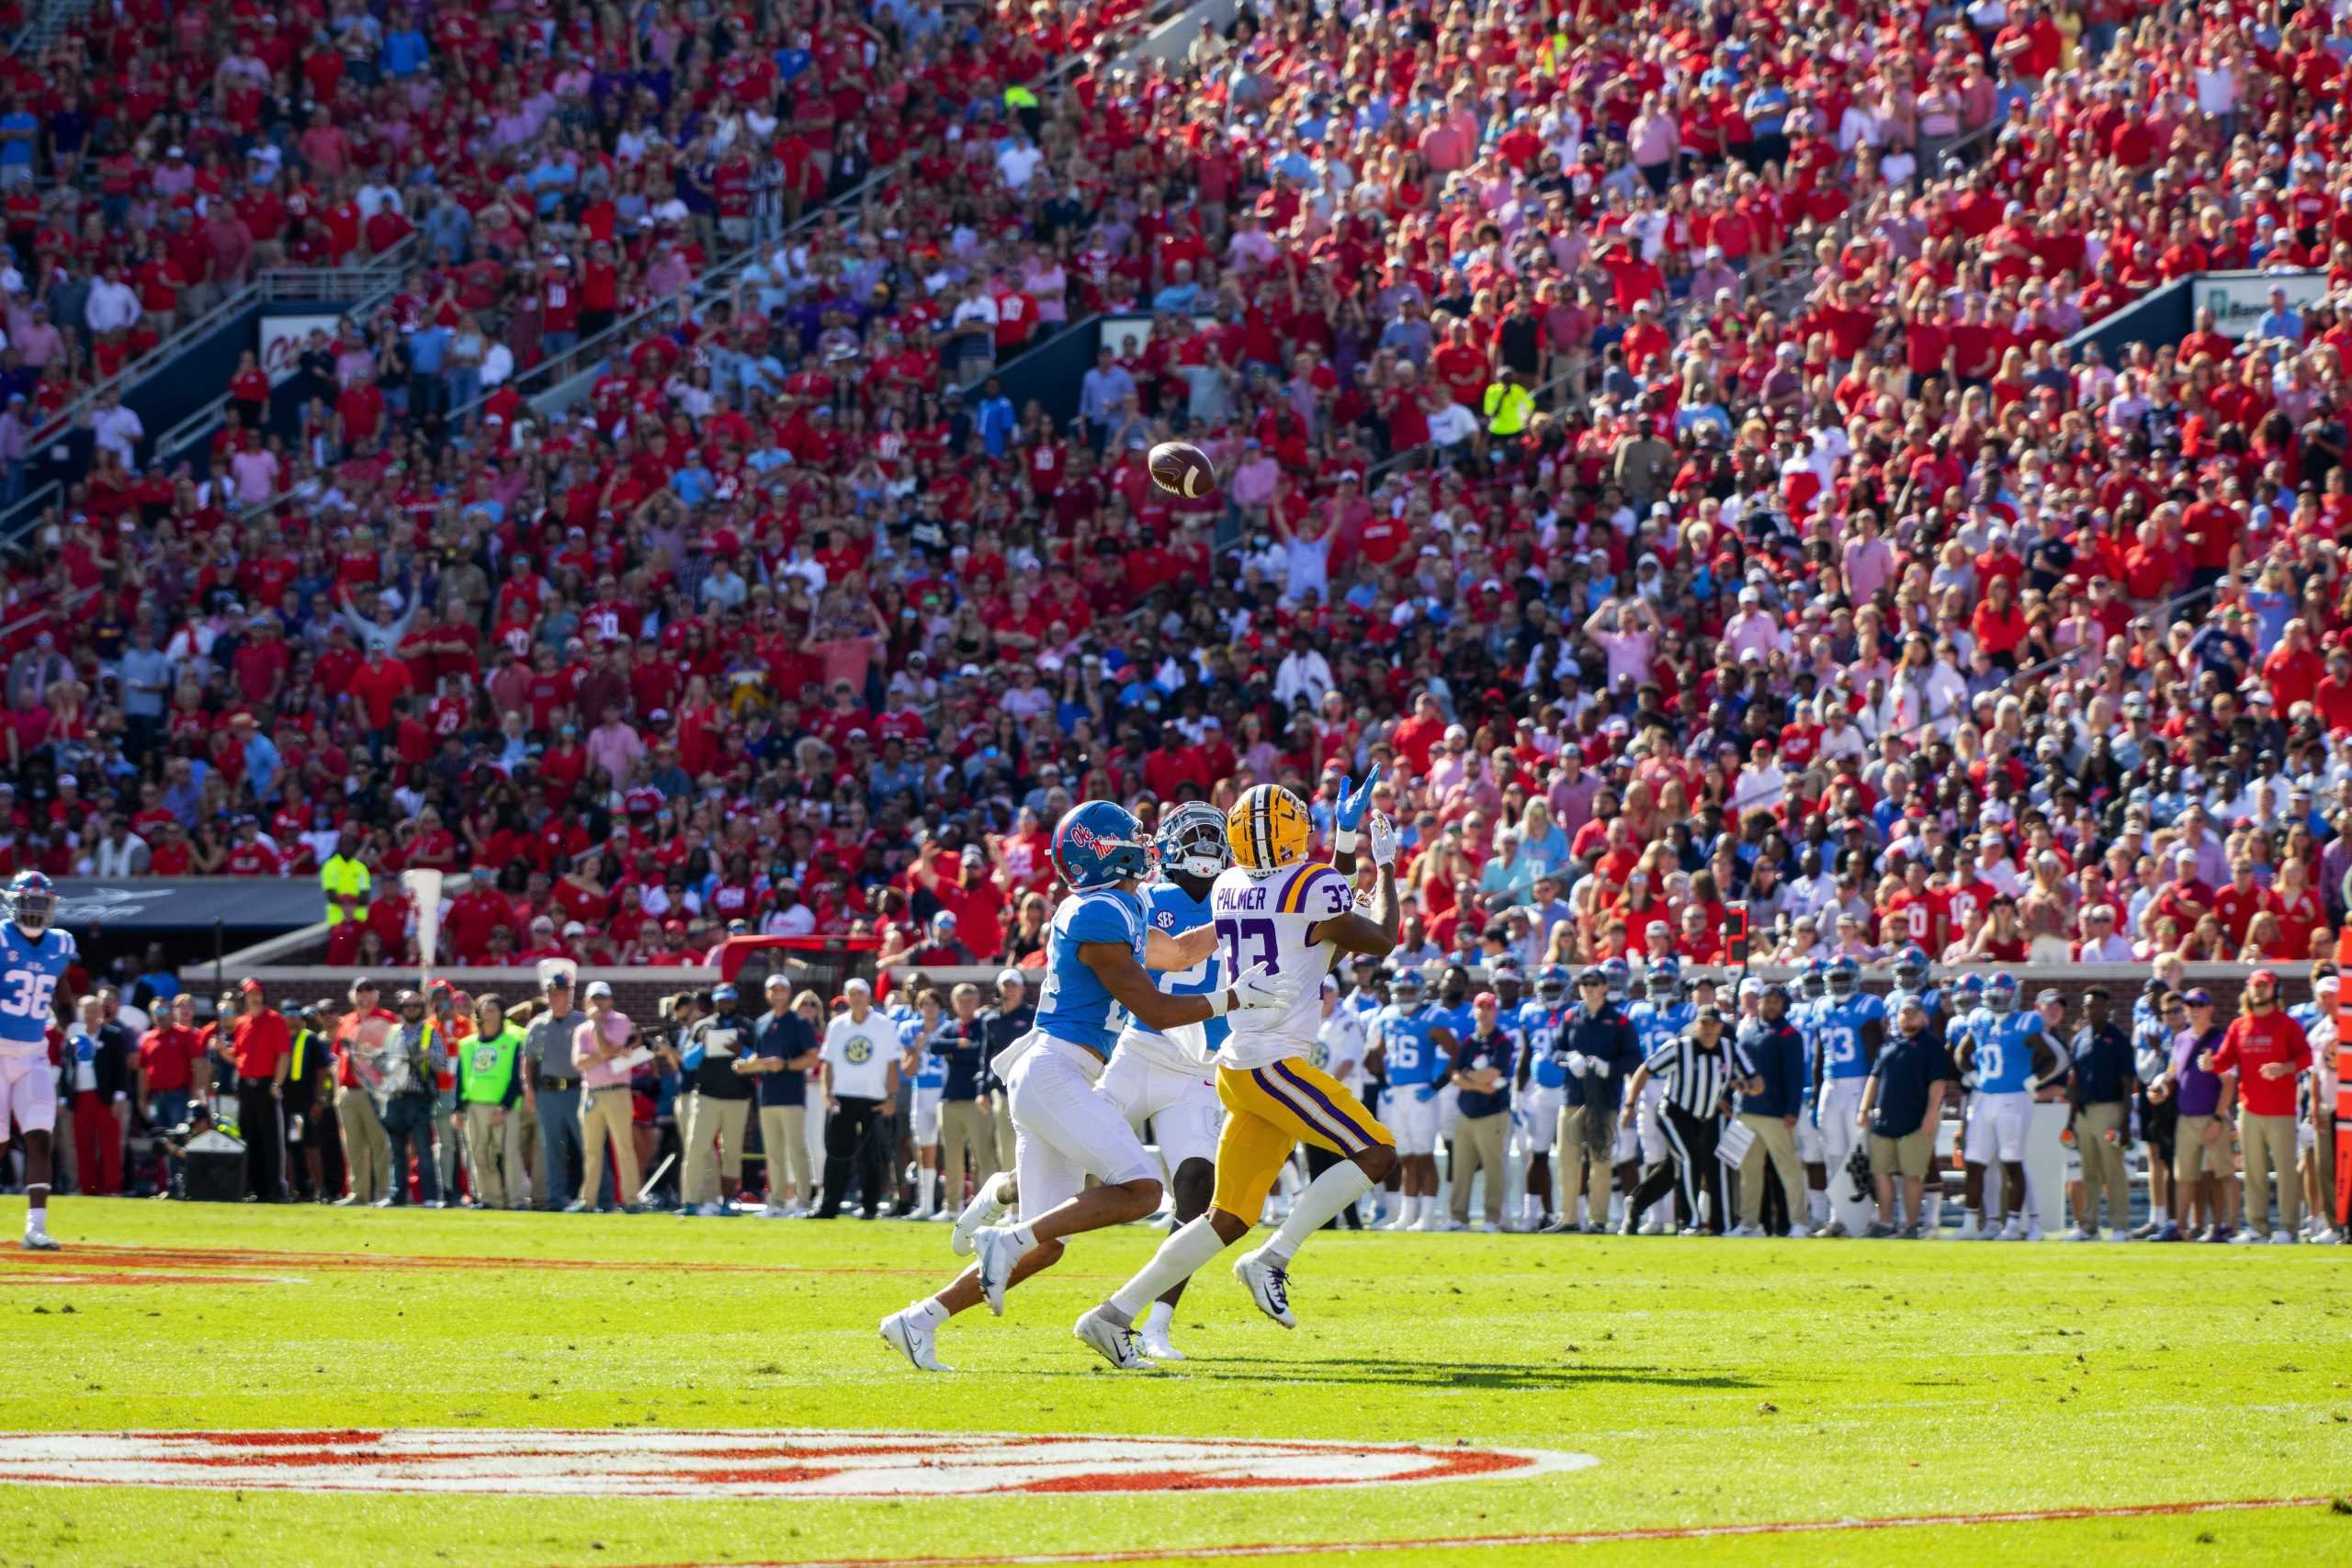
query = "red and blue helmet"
x=1098 y=843
x=32 y=902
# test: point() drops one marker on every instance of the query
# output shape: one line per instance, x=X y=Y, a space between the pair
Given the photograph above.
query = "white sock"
x=37 y=1214
x=1935 y=1207
x=1816 y=1206
x=930 y=1189
x=931 y=1312
x=1178 y=1259
x=1324 y=1198
x=1025 y=1236
x=2160 y=1214
x=1160 y=1318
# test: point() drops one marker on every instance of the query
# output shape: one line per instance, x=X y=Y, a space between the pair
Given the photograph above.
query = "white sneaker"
x=2078 y=1233
x=709 y=1211
x=1113 y=1343
x=1426 y=1226
x=2012 y=1231
x=998 y=1252
x=1268 y=1283
x=2247 y=1238
x=40 y=1240
x=1969 y=1230
x=2325 y=1237
x=2284 y=1238
x=2120 y=1233
x=1400 y=1224
x=779 y=1211
x=1799 y=1233
x=1155 y=1345
x=1742 y=1232
x=2034 y=1233
x=1649 y=1228
x=987 y=1207
x=1834 y=1231
x=939 y=1217
x=913 y=1336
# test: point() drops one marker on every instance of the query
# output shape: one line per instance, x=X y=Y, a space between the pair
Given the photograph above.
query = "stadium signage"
x=715 y=1464
x=2240 y=299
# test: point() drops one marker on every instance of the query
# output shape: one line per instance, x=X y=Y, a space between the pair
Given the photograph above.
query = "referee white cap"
x=1011 y=977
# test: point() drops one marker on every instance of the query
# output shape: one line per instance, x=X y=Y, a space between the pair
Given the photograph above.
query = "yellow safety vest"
x=343 y=878
x=1508 y=407
x=1020 y=98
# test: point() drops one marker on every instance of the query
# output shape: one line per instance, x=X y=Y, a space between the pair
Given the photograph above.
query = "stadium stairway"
x=178 y=388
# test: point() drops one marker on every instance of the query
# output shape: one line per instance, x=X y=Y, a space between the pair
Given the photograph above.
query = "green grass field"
x=1722 y=1384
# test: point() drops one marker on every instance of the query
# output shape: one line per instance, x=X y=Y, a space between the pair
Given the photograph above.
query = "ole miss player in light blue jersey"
x=927 y=1022
x=1849 y=1028
x=34 y=958
x=1100 y=951
x=1162 y=1080
x=2009 y=1052
x=1542 y=1082
x=1912 y=982
x=1413 y=1048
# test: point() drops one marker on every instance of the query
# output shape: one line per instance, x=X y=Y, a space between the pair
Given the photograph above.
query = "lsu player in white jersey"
x=1280 y=908
x=34 y=957
x=1164 y=1077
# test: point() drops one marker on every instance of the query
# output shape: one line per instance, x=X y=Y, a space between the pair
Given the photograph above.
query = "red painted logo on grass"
x=734 y=1464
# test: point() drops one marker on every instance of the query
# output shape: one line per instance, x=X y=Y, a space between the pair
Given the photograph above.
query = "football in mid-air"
x=1182 y=468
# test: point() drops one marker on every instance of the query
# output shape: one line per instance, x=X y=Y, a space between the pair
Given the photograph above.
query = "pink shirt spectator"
x=594 y=1074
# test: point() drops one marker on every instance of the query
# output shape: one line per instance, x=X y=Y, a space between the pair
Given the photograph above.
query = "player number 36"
x=25 y=993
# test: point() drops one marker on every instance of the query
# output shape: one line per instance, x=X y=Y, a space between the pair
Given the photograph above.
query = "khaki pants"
x=606 y=1113
x=2098 y=1139
x=1776 y=1143
x=2323 y=1162
x=2192 y=1156
x=1906 y=1157
x=713 y=1134
x=2268 y=1145
x=526 y=1118
x=961 y=1125
x=1001 y=1122
x=367 y=1153
x=1575 y=1160
x=1478 y=1145
x=784 y=1134
x=494 y=1154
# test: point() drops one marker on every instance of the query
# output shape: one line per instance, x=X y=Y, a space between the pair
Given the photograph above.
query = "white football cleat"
x=40 y=1240
x=1154 y=1342
x=2012 y=1231
x=2033 y=1232
x=1113 y=1343
x=2078 y=1233
x=1268 y=1283
x=987 y=1207
x=998 y=1251
x=908 y=1333
x=1800 y=1232
x=1971 y=1229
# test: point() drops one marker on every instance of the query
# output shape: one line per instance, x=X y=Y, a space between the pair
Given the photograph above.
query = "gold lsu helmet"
x=1269 y=829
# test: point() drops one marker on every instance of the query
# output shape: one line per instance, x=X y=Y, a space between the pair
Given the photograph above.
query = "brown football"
x=1182 y=468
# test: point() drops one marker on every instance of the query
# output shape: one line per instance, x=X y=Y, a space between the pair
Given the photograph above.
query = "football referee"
x=1696 y=1074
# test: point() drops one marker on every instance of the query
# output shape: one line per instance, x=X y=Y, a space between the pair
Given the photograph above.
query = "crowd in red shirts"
x=1652 y=434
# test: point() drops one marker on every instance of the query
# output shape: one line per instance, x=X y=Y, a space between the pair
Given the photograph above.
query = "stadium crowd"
x=1649 y=435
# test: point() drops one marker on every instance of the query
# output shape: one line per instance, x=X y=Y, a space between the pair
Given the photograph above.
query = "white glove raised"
x=1601 y=1069
x=1383 y=834
x=1579 y=1063
x=1260 y=987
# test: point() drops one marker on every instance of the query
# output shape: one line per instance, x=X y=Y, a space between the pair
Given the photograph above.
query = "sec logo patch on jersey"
x=1165 y=919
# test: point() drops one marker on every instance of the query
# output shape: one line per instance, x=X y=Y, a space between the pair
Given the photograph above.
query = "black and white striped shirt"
x=1693 y=1077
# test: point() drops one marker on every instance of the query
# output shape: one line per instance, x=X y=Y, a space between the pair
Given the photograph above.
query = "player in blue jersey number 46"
x=1100 y=953
x=34 y=957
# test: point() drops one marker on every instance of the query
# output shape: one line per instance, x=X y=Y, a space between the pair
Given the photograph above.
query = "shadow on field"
x=1384 y=1371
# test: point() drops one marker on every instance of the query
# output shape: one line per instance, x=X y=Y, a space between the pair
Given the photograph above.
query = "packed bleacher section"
x=1647 y=433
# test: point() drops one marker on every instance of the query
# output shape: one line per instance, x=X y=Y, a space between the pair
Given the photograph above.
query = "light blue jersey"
x=1539 y=1024
x=1655 y=1025
x=1413 y=1058
x=1074 y=1004
x=2005 y=1051
x=1172 y=911
x=930 y=1071
x=31 y=969
x=1840 y=1023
